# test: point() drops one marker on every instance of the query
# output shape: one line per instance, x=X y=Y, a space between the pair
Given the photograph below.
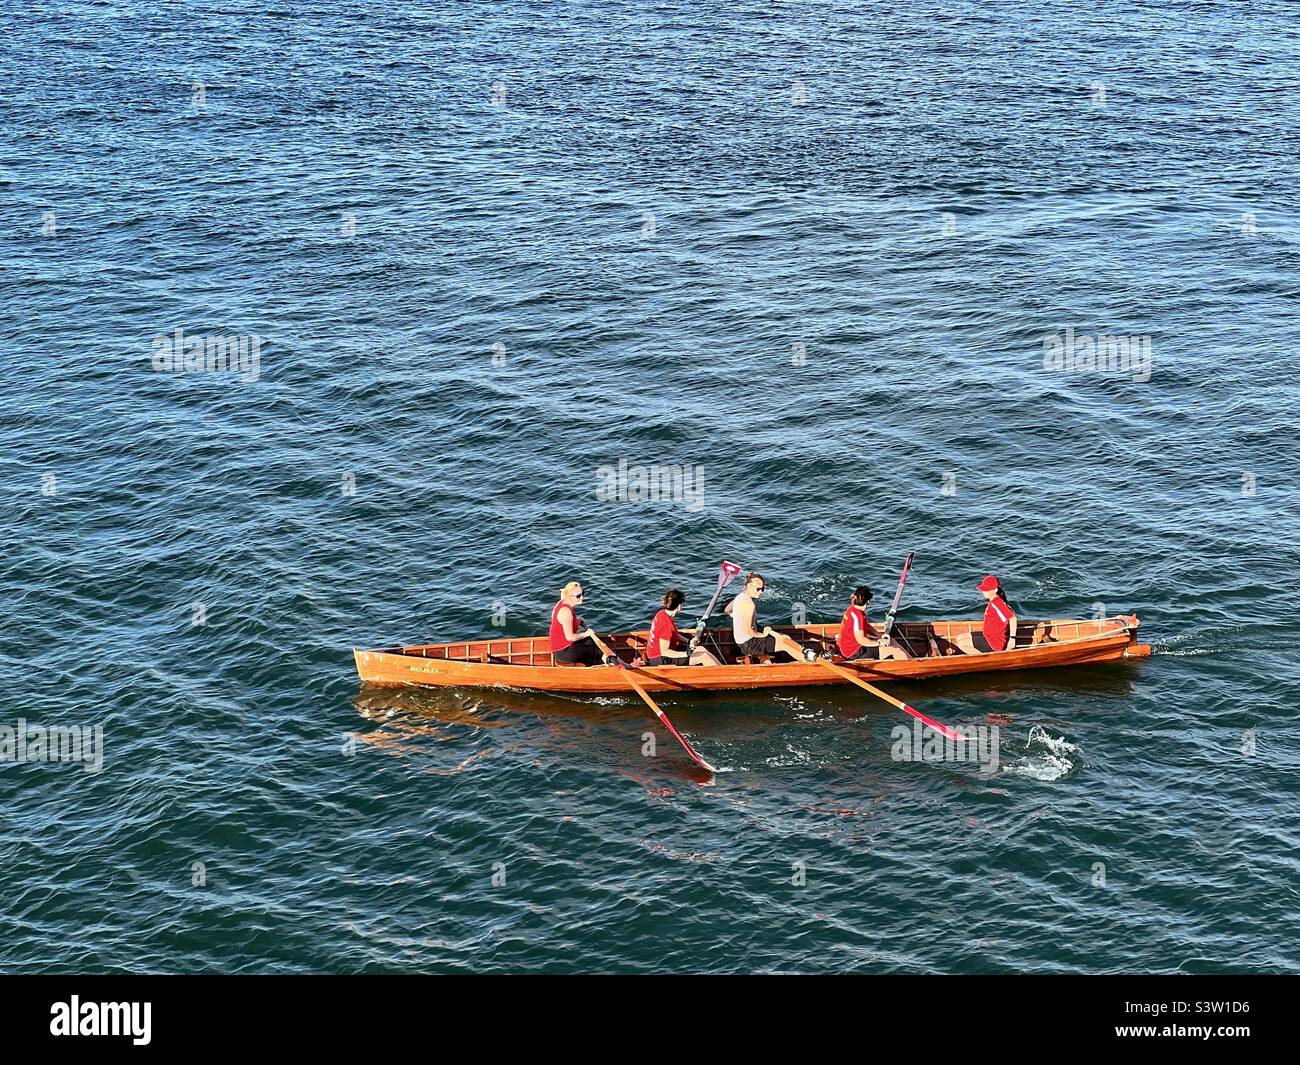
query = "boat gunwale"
x=824 y=631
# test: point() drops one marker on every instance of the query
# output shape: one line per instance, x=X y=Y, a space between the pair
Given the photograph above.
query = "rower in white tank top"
x=752 y=640
x=743 y=610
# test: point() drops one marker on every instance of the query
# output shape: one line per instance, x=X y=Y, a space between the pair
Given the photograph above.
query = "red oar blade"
x=946 y=731
x=685 y=746
x=636 y=686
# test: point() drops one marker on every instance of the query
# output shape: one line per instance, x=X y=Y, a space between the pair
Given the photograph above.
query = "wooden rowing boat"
x=525 y=662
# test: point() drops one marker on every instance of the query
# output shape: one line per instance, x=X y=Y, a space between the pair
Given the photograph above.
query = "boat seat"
x=753 y=660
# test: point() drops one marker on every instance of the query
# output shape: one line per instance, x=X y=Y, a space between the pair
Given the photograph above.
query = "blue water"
x=811 y=249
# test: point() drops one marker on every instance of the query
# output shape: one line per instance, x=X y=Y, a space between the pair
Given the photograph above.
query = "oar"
x=898 y=595
x=888 y=630
x=636 y=686
x=945 y=731
x=726 y=574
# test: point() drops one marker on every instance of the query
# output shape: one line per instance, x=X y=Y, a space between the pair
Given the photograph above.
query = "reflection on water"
x=779 y=729
x=546 y=728
x=478 y=707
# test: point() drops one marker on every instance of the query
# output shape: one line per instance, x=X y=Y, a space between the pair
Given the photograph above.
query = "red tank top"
x=558 y=642
x=848 y=642
x=997 y=618
x=663 y=628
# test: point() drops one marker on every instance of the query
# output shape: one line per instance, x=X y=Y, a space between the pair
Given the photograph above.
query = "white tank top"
x=736 y=631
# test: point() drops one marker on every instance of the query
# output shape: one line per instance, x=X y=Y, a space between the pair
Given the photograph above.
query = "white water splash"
x=1057 y=744
x=1050 y=764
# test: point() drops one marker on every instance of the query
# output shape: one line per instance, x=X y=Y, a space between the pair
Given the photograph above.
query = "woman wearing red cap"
x=999 y=632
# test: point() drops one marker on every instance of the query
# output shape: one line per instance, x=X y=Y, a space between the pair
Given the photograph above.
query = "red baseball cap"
x=989 y=584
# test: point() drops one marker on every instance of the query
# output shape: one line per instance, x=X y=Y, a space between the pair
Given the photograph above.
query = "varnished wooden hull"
x=525 y=663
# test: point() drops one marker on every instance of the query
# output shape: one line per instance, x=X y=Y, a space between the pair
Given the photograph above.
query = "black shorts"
x=759 y=645
x=864 y=652
x=668 y=661
x=583 y=652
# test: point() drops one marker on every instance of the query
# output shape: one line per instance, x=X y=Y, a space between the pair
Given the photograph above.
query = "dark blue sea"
x=1014 y=286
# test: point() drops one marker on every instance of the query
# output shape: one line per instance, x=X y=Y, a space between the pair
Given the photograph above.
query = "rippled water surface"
x=812 y=249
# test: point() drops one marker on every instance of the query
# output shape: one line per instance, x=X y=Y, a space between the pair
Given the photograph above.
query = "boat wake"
x=1178 y=645
x=1046 y=757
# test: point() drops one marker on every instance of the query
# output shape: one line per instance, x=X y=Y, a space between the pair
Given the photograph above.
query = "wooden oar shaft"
x=635 y=685
x=944 y=730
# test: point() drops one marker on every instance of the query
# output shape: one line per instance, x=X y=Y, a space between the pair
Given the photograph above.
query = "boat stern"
x=1135 y=649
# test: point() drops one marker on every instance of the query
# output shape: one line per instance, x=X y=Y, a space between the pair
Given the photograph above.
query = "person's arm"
x=865 y=635
x=877 y=636
x=1011 y=635
x=664 y=645
x=571 y=624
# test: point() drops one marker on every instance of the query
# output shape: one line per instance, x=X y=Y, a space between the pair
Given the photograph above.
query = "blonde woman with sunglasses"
x=570 y=641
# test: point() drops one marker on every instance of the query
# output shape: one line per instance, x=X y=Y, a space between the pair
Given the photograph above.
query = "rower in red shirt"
x=857 y=638
x=570 y=642
x=999 y=631
x=666 y=646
